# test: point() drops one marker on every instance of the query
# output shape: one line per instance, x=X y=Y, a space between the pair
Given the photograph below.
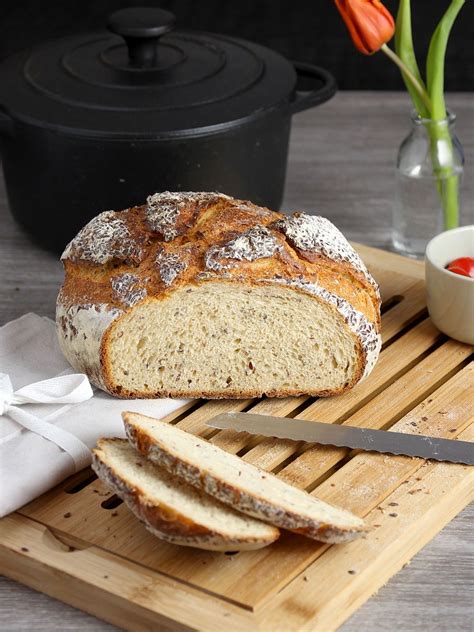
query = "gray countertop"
x=341 y=165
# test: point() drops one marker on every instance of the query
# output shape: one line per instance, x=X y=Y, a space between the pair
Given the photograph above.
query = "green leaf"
x=405 y=50
x=436 y=58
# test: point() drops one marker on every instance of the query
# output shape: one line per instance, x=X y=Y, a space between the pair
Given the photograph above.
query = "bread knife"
x=342 y=436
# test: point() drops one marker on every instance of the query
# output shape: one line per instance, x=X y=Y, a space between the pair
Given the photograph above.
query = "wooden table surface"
x=341 y=165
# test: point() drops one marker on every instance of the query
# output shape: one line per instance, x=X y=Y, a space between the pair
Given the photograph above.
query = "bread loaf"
x=202 y=295
x=173 y=510
x=239 y=484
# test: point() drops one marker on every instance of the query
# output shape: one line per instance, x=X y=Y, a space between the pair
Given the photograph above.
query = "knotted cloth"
x=64 y=389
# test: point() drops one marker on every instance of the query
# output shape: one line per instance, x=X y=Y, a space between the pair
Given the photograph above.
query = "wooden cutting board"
x=80 y=544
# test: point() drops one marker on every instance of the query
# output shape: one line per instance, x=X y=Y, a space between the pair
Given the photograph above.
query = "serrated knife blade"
x=384 y=441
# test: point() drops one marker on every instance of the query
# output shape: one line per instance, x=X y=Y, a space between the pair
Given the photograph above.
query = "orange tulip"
x=370 y=24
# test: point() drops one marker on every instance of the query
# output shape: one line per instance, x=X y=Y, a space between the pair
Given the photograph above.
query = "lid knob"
x=141 y=28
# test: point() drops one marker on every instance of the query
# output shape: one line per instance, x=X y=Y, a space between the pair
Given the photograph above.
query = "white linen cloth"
x=50 y=416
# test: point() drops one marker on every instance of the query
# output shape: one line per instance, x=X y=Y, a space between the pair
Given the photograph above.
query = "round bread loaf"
x=203 y=295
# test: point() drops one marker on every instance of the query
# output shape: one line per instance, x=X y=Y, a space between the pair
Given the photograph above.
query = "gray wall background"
x=308 y=30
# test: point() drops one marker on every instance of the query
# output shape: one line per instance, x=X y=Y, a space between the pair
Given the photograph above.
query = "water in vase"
x=417 y=214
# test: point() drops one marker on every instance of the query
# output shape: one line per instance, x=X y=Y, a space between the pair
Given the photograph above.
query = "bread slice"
x=238 y=483
x=171 y=509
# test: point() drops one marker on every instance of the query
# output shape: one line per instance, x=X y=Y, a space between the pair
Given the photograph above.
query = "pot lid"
x=143 y=78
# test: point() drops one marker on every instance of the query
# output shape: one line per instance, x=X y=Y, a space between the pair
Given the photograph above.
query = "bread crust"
x=181 y=240
x=231 y=494
x=165 y=522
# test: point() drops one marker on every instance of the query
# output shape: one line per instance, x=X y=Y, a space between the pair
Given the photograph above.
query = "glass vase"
x=429 y=174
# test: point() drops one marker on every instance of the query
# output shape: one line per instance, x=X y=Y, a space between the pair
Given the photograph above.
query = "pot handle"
x=6 y=123
x=141 y=28
x=305 y=99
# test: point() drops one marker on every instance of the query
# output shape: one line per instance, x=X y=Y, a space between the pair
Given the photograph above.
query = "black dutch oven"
x=101 y=120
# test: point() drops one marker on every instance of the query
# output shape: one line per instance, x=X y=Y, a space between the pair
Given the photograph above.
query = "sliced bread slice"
x=171 y=509
x=239 y=484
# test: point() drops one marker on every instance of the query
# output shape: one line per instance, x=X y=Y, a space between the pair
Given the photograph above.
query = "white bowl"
x=450 y=296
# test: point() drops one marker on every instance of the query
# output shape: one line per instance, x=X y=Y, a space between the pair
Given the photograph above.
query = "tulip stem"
x=407 y=72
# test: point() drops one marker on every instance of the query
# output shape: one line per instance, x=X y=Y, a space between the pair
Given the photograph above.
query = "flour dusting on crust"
x=313 y=233
x=128 y=289
x=370 y=339
x=163 y=209
x=104 y=238
x=256 y=243
x=80 y=330
x=169 y=265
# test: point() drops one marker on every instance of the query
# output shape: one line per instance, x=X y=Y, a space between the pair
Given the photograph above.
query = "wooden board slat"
x=420 y=384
